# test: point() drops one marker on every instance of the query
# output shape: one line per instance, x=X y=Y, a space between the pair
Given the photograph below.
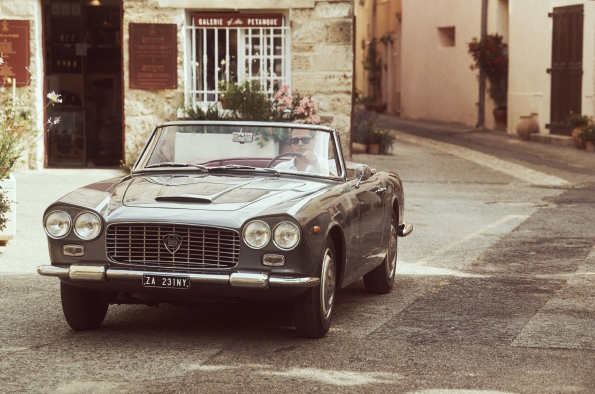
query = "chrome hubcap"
x=392 y=253
x=327 y=284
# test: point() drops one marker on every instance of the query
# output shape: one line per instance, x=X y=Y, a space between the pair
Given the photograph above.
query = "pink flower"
x=314 y=119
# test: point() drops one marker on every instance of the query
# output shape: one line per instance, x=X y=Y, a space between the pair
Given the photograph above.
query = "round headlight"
x=286 y=235
x=257 y=234
x=57 y=224
x=87 y=226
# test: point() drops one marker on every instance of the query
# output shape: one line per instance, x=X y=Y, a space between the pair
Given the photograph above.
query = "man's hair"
x=312 y=132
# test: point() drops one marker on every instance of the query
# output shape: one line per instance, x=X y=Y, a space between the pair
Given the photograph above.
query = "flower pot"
x=378 y=108
x=527 y=126
x=590 y=145
x=373 y=149
x=578 y=142
x=357 y=147
x=500 y=115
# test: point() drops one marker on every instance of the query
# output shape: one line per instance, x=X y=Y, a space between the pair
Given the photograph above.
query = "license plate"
x=169 y=282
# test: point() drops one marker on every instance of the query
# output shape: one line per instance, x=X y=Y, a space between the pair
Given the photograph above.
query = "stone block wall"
x=321 y=63
x=143 y=109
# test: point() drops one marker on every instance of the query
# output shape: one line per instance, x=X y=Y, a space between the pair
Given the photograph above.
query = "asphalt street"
x=495 y=292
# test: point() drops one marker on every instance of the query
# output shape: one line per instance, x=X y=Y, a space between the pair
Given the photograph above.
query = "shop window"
x=234 y=48
x=447 y=36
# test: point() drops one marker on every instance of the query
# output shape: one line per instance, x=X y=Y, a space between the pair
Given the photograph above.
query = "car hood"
x=220 y=193
x=196 y=198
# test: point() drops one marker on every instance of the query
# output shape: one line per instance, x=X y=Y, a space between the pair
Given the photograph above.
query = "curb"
x=552 y=139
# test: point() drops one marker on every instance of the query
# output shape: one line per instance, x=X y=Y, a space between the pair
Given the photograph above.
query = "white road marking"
x=520 y=218
x=334 y=377
x=404 y=268
x=516 y=170
x=455 y=391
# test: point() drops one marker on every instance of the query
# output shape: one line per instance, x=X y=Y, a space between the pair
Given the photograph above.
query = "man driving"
x=303 y=142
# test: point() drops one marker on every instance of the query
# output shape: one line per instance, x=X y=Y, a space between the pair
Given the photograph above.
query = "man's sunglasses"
x=305 y=140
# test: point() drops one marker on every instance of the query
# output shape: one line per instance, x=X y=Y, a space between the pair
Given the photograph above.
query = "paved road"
x=495 y=293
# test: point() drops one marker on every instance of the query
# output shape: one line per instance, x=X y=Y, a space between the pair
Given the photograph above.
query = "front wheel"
x=314 y=310
x=83 y=309
x=382 y=278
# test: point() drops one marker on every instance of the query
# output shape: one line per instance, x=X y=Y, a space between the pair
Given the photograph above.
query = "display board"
x=14 y=47
x=153 y=49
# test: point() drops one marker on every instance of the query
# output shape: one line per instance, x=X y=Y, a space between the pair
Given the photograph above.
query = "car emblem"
x=172 y=242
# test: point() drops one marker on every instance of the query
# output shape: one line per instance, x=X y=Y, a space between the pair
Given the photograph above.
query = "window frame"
x=203 y=96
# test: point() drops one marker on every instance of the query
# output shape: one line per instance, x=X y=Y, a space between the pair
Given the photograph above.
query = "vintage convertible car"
x=226 y=211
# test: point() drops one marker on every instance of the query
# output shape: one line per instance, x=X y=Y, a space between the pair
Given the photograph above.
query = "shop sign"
x=237 y=20
x=14 y=50
x=153 y=49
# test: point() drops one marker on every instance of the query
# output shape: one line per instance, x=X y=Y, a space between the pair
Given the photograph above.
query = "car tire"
x=83 y=309
x=381 y=279
x=313 y=312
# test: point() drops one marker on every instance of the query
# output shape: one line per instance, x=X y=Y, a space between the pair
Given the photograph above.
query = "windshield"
x=292 y=149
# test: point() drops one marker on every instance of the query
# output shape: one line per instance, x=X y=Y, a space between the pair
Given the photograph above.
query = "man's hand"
x=310 y=157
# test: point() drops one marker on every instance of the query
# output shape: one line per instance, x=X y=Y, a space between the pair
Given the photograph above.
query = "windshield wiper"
x=232 y=167
x=242 y=167
x=174 y=164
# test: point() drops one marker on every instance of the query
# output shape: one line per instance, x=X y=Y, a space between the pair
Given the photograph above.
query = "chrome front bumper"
x=100 y=273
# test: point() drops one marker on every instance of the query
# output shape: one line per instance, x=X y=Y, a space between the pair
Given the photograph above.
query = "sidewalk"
x=566 y=162
x=36 y=189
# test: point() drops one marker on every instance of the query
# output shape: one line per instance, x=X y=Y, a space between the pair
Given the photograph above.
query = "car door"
x=367 y=250
x=370 y=196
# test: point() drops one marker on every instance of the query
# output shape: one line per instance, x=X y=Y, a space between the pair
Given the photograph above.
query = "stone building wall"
x=143 y=109
x=321 y=61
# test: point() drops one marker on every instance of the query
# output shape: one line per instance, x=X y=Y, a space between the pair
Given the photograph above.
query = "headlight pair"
x=58 y=224
x=257 y=235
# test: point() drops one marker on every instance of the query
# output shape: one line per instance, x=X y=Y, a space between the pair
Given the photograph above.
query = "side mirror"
x=362 y=173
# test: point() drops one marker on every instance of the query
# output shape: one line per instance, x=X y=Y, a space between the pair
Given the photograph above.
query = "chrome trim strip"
x=249 y=279
x=404 y=229
x=281 y=281
x=99 y=273
x=50 y=270
x=94 y=273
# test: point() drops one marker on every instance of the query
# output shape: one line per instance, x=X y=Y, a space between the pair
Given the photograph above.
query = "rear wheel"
x=313 y=311
x=83 y=309
x=382 y=278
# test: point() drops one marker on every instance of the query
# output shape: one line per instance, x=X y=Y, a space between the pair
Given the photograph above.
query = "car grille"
x=143 y=246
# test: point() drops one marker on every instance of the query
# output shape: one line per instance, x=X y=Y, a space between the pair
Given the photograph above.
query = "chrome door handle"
x=380 y=190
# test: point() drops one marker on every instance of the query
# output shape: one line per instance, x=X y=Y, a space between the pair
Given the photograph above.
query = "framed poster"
x=56 y=9
x=153 y=49
x=75 y=9
x=65 y=9
x=14 y=46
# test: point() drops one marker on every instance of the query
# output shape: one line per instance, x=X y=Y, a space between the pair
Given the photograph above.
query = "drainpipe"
x=482 y=78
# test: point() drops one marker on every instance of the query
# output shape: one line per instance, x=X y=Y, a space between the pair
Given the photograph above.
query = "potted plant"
x=387 y=138
x=490 y=55
x=577 y=122
x=246 y=101
x=373 y=65
x=363 y=127
x=222 y=85
x=18 y=133
x=587 y=134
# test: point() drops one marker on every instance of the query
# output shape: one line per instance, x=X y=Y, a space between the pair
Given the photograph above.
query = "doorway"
x=567 y=67
x=83 y=61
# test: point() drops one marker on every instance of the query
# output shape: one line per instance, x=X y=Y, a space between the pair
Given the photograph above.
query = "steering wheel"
x=294 y=154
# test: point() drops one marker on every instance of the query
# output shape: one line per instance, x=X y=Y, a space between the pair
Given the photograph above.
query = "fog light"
x=273 y=260
x=73 y=250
